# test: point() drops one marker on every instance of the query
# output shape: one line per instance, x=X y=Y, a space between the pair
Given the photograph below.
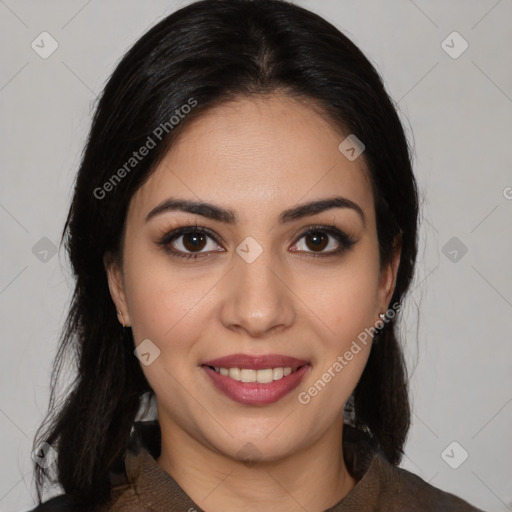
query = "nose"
x=257 y=296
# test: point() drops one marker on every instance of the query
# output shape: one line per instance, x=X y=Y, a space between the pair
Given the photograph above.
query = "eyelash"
x=345 y=241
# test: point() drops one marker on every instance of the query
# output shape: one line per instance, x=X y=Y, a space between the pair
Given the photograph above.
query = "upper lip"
x=257 y=362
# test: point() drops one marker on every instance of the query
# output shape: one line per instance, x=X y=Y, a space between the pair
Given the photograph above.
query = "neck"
x=314 y=478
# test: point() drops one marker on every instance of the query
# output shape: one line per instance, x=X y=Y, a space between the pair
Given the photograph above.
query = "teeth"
x=278 y=373
x=265 y=376
x=262 y=376
x=234 y=373
x=248 y=375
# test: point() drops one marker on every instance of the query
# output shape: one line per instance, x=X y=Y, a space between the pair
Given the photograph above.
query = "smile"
x=255 y=380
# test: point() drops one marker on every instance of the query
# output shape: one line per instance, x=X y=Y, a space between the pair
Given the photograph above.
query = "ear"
x=388 y=276
x=114 y=273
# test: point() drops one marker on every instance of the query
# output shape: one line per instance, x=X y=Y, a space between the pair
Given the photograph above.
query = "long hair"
x=202 y=55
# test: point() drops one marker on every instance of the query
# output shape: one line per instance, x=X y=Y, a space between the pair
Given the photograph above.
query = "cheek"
x=345 y=302
x=167 y=305
x=170 y=314
x=341 y=313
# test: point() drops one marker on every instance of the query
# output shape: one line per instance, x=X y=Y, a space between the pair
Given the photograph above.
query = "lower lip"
x=255 y=393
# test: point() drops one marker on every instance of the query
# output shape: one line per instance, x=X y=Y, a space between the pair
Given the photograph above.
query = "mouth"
x=256 y=380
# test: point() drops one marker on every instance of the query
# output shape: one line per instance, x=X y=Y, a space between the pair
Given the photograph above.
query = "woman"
x=243 y=232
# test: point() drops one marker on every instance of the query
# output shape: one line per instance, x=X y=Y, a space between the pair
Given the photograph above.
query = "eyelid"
x=175 y=233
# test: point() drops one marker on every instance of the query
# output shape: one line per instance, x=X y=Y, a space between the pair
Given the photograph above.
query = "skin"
x=257 y=157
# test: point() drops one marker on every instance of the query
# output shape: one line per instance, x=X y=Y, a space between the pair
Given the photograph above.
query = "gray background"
x=458 y=115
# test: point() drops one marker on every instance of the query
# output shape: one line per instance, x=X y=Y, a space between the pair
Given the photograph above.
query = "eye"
x=318 y=238
x=191 y=242
x=188 y=242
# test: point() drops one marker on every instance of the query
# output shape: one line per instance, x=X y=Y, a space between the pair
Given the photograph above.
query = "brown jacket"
x=143 y=486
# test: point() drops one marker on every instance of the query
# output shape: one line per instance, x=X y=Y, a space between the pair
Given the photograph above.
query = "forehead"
x=257 y=155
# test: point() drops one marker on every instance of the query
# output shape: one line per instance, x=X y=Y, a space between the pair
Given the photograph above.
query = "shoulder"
x=65 y=503
x=144 y=434
x=62 y=503
x=382 y=486
x=412 y=493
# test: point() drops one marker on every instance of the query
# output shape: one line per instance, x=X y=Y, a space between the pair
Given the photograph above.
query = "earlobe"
x=116 y=286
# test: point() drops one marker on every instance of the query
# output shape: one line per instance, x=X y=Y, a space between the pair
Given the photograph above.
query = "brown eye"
x=318 y=240
x=189 y=242
x=194 y=241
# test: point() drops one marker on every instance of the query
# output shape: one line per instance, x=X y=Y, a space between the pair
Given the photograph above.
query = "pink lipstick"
x=256 y=380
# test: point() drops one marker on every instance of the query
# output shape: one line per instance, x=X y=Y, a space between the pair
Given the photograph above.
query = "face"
x=246 y=282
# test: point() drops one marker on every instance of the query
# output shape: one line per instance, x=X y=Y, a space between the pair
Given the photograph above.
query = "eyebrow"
x=228 y=216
